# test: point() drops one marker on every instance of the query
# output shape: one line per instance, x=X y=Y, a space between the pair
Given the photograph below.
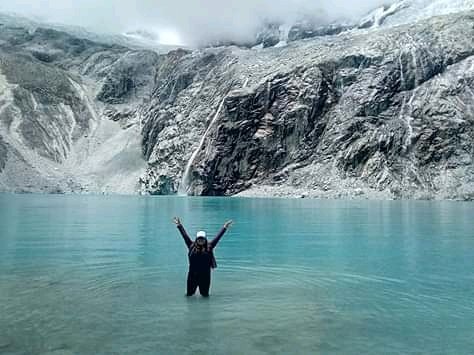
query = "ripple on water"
x=108 y=275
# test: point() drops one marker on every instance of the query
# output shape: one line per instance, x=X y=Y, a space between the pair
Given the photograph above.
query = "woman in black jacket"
x=201 y=258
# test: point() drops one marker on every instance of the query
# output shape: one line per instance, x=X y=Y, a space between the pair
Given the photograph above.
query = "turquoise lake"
x=107 y=275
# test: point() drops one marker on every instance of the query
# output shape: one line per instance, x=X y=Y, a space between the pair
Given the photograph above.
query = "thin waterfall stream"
x=183 y=188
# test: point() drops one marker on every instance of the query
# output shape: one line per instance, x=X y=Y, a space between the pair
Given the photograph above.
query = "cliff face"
x=385 y=113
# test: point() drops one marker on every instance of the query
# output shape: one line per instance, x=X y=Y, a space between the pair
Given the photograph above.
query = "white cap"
x=201 y=234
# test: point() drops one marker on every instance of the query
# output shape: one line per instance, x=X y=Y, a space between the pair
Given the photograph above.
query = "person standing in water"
x=201 y=258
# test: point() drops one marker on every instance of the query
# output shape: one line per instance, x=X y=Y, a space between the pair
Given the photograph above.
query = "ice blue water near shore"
x=106 y=275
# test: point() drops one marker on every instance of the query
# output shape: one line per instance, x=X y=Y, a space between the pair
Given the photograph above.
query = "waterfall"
x=183 y=188
x=402 y=76
x=405 y=115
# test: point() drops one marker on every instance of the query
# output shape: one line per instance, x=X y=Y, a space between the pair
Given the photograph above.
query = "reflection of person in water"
x=201 y=258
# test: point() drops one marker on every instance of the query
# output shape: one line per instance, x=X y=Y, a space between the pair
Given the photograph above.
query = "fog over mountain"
x=295 y=98
x=189 y=22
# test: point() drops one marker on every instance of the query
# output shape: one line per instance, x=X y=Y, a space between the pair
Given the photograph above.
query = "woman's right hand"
x=177 y=221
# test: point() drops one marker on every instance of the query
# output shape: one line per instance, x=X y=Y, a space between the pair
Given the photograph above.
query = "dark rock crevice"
x=3 y=154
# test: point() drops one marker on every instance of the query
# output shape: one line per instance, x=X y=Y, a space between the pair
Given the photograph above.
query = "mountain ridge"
x=381 y=112
x=353 y=86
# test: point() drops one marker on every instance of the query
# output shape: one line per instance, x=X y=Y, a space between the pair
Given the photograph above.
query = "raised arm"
x=219 y=235
x=181 y=229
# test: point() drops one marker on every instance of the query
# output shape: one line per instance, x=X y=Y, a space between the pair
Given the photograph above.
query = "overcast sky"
x=193 y=20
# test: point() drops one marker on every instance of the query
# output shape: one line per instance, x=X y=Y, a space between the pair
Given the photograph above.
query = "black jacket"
x=201 y=259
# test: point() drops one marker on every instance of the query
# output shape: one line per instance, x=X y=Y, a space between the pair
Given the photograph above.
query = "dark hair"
x=196 y=248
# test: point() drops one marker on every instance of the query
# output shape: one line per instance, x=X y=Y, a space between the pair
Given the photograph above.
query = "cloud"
x=195 y=21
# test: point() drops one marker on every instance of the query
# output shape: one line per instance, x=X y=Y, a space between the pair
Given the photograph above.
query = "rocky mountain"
x=384 y=110
x=317 y=25
x=386 y=113
x=59 y=96
x=138 y=39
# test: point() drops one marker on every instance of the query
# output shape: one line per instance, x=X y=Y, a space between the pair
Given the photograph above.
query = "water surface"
x=106 y=275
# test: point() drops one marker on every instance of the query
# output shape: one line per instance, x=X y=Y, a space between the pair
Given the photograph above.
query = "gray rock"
x=51 y=128
x=131 y=77
x=269 y=36
x=302 y=31
x=310 y=25
x=3 y=154
x=384 y=112
x=387 y=111
x=45 y=105
x=137 y=40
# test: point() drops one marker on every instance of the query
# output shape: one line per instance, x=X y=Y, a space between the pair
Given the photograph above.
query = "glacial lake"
x=107 y=275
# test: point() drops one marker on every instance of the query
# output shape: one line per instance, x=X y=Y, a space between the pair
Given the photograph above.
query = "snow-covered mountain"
x=139 y=39
x=394 y=13
x=381 y=108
